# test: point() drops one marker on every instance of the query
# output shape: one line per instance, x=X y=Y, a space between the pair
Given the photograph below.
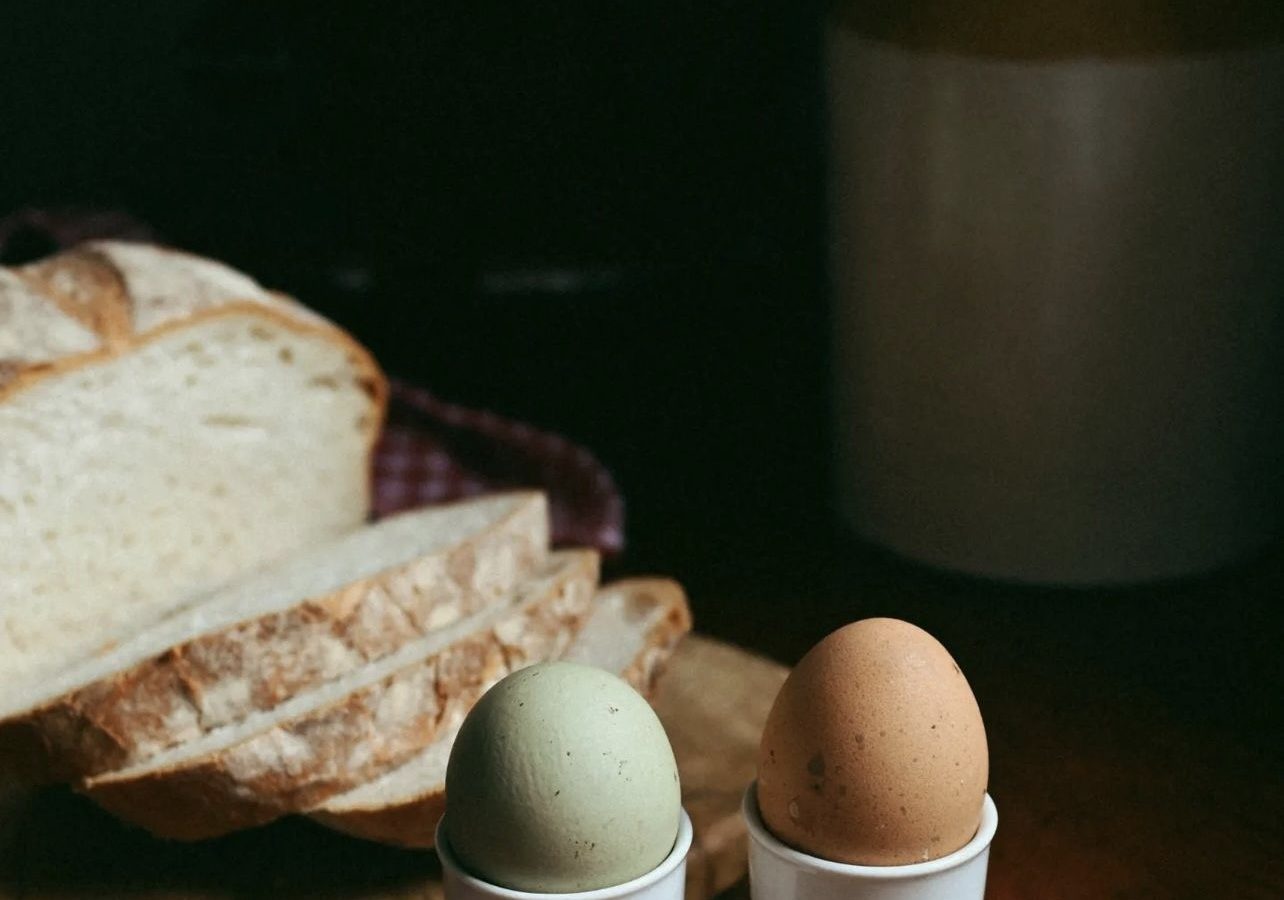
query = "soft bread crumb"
x=122 y=486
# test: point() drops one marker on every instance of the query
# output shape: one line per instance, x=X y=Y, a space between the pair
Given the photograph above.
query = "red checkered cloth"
x=433 y=451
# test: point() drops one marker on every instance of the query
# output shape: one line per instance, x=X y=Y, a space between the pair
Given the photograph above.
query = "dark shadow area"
x=64 y=846
x=605 y=221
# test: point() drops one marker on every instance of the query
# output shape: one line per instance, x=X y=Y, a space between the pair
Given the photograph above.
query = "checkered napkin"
x=433 y=451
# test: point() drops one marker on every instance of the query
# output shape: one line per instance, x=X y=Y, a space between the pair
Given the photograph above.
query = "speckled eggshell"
x=874 y=752
x=561 y=779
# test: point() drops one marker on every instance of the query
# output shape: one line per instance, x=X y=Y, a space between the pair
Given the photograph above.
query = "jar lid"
x=1052 y=29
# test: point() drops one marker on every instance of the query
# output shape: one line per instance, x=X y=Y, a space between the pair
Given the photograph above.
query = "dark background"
x=602 y=218
x=607 y=219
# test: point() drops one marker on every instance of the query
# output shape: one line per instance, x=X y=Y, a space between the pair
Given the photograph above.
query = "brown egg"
x=874 y=752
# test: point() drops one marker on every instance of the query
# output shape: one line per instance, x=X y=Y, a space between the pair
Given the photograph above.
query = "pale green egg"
x=562 y=779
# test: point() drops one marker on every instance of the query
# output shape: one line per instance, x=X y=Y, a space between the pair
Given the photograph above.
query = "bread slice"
x=632 y=630
x=305 y=620
x=329 y=740
x=165 y=424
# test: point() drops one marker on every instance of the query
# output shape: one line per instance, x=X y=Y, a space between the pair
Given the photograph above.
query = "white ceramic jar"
x=1058 y=281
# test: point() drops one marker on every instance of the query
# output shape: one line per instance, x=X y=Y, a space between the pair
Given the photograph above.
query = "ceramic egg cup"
x=667 y=881
x=779 y=872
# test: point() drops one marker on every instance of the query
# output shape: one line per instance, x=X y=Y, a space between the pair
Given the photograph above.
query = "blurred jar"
x=1057 y=258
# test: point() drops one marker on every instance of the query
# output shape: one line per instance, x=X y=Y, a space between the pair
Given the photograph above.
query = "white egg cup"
x=779 y=872
x=667 y=881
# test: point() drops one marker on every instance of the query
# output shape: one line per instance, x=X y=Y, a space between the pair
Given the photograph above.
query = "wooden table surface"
x=1136 y=734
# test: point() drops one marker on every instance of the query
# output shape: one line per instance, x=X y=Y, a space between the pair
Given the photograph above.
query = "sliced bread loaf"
x=302 y=621
x=330 y=739
x=165 y=424
x=631 y=630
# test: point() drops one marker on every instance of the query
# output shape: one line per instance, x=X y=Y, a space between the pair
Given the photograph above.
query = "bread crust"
x=226 y=674
x=662 y=639
x=297 y=763
x=413 y=822
x=85 y=285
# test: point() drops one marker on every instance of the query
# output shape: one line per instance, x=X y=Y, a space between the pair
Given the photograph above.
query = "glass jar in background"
x=1057 y=263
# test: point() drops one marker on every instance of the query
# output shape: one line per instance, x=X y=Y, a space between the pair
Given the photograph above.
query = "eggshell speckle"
x=562 y=779
x=874 y=752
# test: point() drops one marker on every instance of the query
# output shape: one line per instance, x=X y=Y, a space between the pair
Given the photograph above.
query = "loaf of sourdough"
x=307 y=619
x=165 y=424
x=330 y=739
x=632 y=630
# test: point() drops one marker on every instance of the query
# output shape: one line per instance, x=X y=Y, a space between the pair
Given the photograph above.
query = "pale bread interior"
x=537 y=589
x=317 y=571
x=128 y=483
x=618 y=628
x=614 y=635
